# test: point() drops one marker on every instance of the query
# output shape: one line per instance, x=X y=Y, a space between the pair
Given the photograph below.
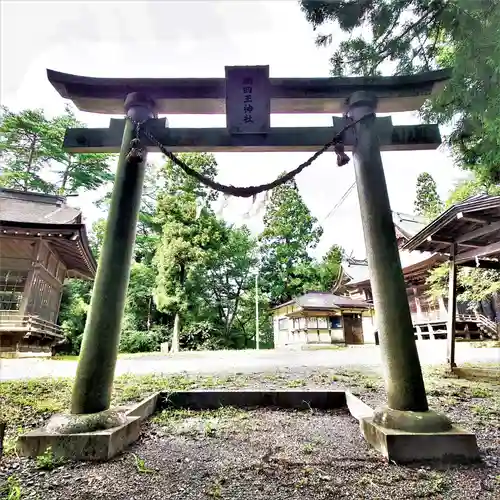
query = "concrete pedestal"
x=63 y=437
x=99 y=445
x=454 y=445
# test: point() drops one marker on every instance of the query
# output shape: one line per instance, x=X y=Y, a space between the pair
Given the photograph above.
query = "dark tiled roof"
x=48 y=217
x=21 y=206
x=324 y=300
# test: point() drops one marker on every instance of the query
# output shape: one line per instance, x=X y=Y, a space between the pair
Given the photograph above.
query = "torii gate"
x=248 y=96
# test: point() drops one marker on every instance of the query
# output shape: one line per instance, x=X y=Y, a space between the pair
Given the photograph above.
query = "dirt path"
x=224 y=362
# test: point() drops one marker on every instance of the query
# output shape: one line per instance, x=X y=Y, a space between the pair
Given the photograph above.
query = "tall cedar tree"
x=188 y=235
x=290 y=232
x=427 y=200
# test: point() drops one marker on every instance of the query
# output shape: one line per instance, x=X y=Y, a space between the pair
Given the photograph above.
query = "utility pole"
x=257 y=332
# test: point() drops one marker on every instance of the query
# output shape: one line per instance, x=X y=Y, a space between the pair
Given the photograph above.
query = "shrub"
x=132 y=341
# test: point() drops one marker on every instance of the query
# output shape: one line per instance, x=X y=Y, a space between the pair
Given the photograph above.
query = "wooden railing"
x=29 y=324
x=487 y=324
x=428 y=317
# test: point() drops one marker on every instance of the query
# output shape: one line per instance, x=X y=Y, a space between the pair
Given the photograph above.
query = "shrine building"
x=42 y=242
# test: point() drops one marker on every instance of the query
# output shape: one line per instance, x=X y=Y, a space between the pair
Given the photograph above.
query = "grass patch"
x=294 y=383
x=490 y=344
x=27 y=404
x=208 y=423
x=64 y=357
x=480 y=392
x=323 y=347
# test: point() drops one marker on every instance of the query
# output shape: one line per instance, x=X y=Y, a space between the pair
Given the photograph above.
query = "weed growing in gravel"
x=210 y=428
x=437 y=485
x=215 y=489
x=48 y=461
x=308 y=448
x=480 y=392
x=295 y=383
x=140 y=465
x=12 y=489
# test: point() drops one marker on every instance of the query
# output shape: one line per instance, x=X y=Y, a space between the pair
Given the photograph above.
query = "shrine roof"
x=474 y=225
x=26 y=206
x=24 y=214
x=356 y=269
x=326 y=301
x=413 y=264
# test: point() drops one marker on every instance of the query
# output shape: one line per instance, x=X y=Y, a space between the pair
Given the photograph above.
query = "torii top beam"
x=208 y=95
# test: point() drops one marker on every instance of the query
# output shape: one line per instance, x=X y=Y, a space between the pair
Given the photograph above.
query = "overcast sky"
x=197 y=39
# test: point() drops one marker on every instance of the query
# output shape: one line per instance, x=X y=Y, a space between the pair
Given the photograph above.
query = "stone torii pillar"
x=407 y=407
x=404 y=381
x=96 y=366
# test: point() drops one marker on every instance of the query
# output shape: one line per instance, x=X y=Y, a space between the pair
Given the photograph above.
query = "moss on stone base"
x=77 y=424
x=411 y=421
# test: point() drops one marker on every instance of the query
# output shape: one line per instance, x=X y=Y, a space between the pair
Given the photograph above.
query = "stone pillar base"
x=96 y=445
x=400 y=446
x=98 y=436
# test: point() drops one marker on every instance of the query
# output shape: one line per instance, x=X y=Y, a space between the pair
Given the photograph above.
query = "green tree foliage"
x=139 y=306
x=410 y=36
x=96 y=236
x=290 y=232
x=25 y=145
x=330 y=268
x=148 y=227
x=190 y=231
x=471 y=187
x=73 y=312
x=427 y=200
x=474 y=285
x=224 y=280
x=33 y=159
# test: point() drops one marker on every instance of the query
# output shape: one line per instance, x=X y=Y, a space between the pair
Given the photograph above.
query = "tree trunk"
x=2 y=433
x=149 y=314
x=175 y=334
x=65 y=177
x=30 y=159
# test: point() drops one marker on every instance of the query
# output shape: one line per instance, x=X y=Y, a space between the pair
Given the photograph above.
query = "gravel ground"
x=253 y=455
x=261 y=454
